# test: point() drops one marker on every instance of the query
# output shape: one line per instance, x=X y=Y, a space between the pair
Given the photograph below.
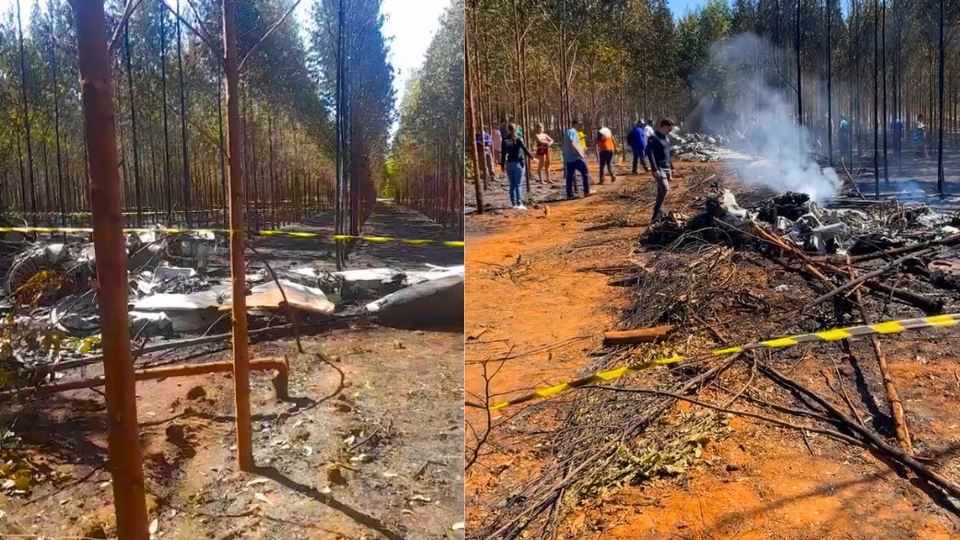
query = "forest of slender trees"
x=426 y=164
x=314 y=109
x=610 y=62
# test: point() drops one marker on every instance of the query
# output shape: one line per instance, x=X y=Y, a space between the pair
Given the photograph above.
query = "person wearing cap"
x=574 y=159
x=658 y=151
x=606 y=149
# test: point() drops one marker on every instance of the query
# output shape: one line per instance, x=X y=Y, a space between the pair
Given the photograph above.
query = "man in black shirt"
x=658 y=150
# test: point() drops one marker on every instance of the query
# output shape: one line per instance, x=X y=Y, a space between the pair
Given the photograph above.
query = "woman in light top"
x=543 y=154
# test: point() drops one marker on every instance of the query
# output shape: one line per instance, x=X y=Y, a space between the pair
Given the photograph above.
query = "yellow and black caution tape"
x=888 y=327
x=288 y=234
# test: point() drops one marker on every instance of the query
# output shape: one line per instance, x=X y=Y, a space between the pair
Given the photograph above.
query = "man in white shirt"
x=648 y=130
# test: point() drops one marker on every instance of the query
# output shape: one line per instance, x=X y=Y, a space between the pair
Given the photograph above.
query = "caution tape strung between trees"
x=888 y=327
x=287 y=234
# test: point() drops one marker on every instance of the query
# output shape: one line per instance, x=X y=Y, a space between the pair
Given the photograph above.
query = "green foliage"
x=425 y=152
x=614 y=61
x=287 y=125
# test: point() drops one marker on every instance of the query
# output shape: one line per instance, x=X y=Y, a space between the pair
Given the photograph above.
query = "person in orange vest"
x=606 y=149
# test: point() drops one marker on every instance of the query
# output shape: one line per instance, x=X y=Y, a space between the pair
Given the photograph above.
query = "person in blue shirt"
x=637 y=140
x=574 y=159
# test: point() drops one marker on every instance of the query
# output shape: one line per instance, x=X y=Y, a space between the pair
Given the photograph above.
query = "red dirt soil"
x=385 y=445
x=760 y=483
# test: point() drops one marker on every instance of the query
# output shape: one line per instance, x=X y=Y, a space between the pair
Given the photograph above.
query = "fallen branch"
x=927 y=305
x=893 y=397
x=546 y=497
x=856 y=281
x=71 y=364
x=948 y=241
x=280 y=382
x=639 y=335
x=918 y=468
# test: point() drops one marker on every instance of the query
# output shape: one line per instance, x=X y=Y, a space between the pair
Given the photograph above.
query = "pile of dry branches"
x=714 y=295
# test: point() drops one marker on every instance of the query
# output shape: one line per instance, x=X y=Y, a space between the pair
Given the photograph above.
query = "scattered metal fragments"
x=176 y=287
x=825 y=230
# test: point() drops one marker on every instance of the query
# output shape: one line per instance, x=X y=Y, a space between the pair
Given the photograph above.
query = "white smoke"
x=763 y=120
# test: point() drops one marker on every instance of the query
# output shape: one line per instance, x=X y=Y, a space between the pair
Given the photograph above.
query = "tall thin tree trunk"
x=876 y=104
x=883 y=71
x=133 y=127
x=339 y=214
x=166 y=130
x=129 y=494
x=61 y=204
x=799 y=44
x=241 y=359
x=830 y=80
x=473 y=124
x=26 y=122
x=183 y=124
x=940 y=75
x=223 y=166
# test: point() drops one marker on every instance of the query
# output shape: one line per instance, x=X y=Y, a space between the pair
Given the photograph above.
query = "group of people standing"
x=506 y=148
x=918 y=136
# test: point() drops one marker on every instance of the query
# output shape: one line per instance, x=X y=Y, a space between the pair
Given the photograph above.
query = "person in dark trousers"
x=485 y=152
x=658 y=150
x=637 y=140
x=606 y=150
x=514 y=155
x=919 y=137
x=574 y=159
x=896 y=133
x=844 y=137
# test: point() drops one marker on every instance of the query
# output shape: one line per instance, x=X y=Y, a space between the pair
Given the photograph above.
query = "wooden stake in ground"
x=241 y=358
x=101 y=140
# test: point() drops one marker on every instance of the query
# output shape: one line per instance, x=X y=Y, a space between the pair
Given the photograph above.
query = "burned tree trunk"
x=876 y=104
x=886 y=121
x=830 y=81
x=799 y=43
x=940 y=75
